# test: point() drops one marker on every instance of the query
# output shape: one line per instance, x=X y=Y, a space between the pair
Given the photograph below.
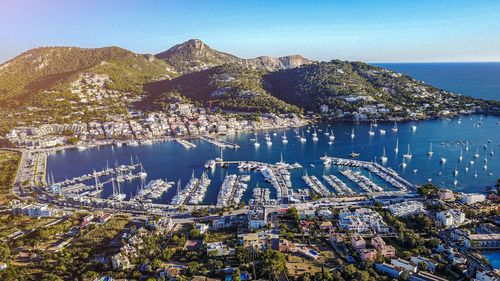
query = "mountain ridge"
x=194 y=55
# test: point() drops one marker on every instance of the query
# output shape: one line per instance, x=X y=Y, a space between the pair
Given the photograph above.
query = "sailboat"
x=403 y=165
x=143 y=173
x=442 y=160
x=408 y=154
x=383 y=158
x=413 y=128
x=352 y=134
x=430 y=151
x=467 y=146
x=302 y=138
x=476 y=155
x=397 y=146
x=395 y=128
x=371 y=132
x=455 y=172
x=267 y=137
x=461 y=157
x=485 y=164
x=283 y=138
x=315 y=135
x=382 y=131
x=256 y=143
x=117 y=191
x=475 y=174
x=332 y=136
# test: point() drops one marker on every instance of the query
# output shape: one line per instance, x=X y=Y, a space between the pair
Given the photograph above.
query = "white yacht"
x=383 y=158
x=256 y=143
x=403 y=165
x=302 y=138
x=315 y=135
x=413 y=128
x=382 y=131
x=352 y=134
x=476 y=155
x=442 y=160
x=143 y=173
x=267 y=137
x=395 y=128
x=408 y=154
x=332 y=136
x=371 y=132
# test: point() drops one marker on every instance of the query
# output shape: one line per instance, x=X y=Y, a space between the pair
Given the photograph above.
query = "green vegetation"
x=313 y=85
x=46 y=68
x=428 y=190
x=9 y=163
x=230 y=87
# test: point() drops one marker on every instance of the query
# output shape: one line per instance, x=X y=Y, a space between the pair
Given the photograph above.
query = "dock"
x=220 y=143
x=339 y=186
x=316 y=185
x=387 y=174
x=185 y=143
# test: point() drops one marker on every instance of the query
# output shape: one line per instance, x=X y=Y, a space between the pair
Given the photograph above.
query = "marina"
x=167 y=160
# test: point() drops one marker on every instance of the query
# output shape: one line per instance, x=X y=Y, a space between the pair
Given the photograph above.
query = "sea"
x=449 y=138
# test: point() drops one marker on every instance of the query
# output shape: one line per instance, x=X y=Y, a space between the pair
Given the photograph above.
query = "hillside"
x=49 y=68
x=230 y=87
x=357 y=86
x=194 y=55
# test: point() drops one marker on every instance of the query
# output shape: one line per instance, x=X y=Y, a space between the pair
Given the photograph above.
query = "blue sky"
x=372 y=31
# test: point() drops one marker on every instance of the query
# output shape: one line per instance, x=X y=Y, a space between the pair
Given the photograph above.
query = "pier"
x=388 y=174
x=316 y=185
x=339 y=186
x=219 y=143
x=185 y=143
x=362 y=181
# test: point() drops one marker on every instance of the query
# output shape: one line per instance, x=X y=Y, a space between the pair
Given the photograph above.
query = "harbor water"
x=172 y=161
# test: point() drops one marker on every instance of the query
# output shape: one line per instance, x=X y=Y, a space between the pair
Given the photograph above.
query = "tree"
x=350 y=270
x=4 y=251
x=273 y=262
x=406 y=255
x=428 y=190
x=237 y=275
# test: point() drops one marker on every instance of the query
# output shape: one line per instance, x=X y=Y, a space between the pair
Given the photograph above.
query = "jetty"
x=387 y=174
x=318 y=187
x=185 y=143
x=220 y=143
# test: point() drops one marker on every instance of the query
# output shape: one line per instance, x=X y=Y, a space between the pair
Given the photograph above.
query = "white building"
x=362 y=220
x=120 y=262
x=450 y=218
x=471 y=198
x=257 y=218
x=406 y=208
x=406 y=265
x=218 y=249
x=33 y=210
x=201 y=227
